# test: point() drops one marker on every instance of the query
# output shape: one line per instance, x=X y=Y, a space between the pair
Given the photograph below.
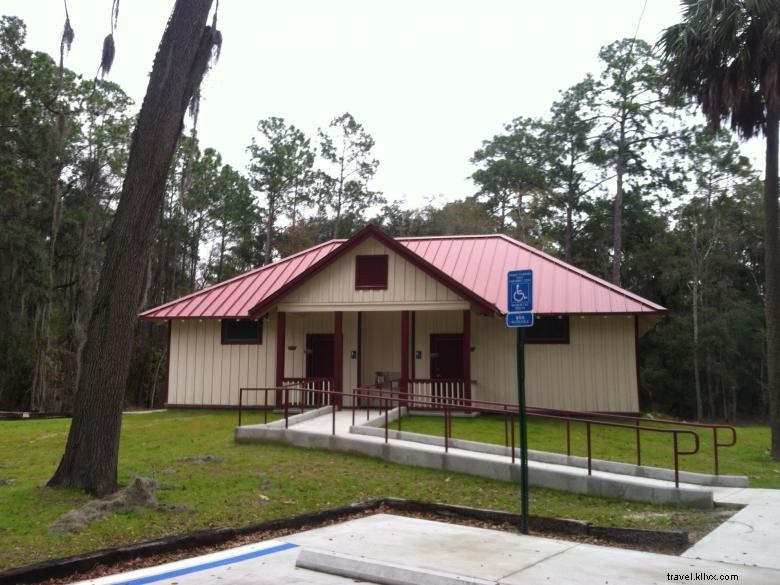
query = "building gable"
x=335 y=287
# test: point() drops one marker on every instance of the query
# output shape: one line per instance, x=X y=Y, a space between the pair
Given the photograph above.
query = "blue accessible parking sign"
x=520 y=298
x=520 y=291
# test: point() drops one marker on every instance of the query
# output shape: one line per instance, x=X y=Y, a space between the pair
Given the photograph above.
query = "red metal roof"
x=478 y=265
x=235 y=297
x=481 y=263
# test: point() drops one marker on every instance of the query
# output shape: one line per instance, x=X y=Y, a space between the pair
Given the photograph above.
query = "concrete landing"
x=749 y=537
x=316 y=430
x=427 y=547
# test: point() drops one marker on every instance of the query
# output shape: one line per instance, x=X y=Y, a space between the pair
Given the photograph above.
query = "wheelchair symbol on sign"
x=519 y=295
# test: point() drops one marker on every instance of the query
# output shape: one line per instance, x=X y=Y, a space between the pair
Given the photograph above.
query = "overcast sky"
x=429 y=79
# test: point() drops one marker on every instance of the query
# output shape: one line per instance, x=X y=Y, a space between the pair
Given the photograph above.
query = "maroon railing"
x=716 y=444
x=510 y=412
x=294 y=393
x=285 y=392
x=387 y=399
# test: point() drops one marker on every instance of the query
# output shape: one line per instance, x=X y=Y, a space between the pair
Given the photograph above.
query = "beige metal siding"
x=596 y=370
x=381 y=344
x=205 y=372
x=408 y=287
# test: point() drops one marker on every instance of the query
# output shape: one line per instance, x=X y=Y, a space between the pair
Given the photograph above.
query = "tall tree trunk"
x=223 y=235
x=569 y=235
x=91 y=453
x=295 y=204
x=772 y=278
x=269 y=229
x=708 y=373
x=337 y=220
x=617 y=210
x=696 y=376
x=339 y=198
x=40 y=398
x=571 y=196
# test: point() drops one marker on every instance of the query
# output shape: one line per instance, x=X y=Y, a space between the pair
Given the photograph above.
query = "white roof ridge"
x=449 y=237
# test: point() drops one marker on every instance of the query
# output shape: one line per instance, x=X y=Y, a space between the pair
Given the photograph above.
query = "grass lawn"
x=254 y=483
x=750 y=456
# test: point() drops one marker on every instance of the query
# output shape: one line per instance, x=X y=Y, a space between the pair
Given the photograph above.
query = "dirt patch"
x=202 y=459
x=6 y=480
x=721 y=513
x=139 y=494
x=45 y=436
x=644 y=515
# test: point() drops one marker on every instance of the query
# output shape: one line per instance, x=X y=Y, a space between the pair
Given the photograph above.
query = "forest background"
x=616 y=179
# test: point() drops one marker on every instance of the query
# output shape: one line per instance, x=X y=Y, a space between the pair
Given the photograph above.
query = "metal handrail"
x=282 y=390
x=594 y=414
x=575 y=416
x=403 y=398
x=511 y=411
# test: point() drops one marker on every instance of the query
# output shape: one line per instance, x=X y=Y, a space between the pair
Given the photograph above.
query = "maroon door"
x=319 y=364
x=319 y=355
x=447 y=365
x=447 y=356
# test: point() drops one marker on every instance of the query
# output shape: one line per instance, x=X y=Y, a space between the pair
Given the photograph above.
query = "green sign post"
x=519 y=315
x=523 y=428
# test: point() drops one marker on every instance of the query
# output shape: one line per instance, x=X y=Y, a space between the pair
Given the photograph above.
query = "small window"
x=241 y=331
x=548 y=330
x=371 y=272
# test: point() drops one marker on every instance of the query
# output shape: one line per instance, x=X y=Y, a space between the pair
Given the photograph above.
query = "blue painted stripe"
x=211 y=565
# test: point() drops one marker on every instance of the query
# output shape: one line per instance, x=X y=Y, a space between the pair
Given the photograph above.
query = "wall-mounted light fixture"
x=353 y=354
x=292 y=347
x=418 y=355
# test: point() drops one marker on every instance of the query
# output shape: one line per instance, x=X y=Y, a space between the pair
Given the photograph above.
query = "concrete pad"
x=382 y=572
x=437 y=550
x=753 y=496
x=749 y=537
x=590 y=565
x=438 y=546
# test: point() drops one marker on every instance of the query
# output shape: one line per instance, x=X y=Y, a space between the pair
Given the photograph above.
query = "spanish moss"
x=107 y=59
x=67 y=38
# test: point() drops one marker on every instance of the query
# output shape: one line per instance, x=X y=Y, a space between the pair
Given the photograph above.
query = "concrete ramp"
x=490 y=461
